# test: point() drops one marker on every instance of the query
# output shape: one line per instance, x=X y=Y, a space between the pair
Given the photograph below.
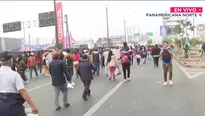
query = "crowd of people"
x=62 y=65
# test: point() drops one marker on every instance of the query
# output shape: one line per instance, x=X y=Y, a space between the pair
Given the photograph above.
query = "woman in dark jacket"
x=85 y=72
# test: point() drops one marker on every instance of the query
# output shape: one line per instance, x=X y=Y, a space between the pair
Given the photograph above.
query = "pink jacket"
x=113 y=61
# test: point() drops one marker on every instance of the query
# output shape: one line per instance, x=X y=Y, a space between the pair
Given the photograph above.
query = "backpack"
x=68 y=61
x=166 y=56
x=125 y=59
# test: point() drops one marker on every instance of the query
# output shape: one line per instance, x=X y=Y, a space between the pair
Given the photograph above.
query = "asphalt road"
x=144 y=95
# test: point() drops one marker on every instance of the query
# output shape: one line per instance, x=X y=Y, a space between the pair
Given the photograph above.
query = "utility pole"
x=29 y=40
x=67 y=32
x=133 y=37
x=107 y=19
x=24 y=34
x=194 y=25
x=125 y=32
x=56 y=28
x=29 y=36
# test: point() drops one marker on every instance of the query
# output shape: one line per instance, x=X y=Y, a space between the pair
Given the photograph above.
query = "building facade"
x=10 y=44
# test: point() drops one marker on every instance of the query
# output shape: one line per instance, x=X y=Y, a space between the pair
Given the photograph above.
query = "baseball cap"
x=5 y=56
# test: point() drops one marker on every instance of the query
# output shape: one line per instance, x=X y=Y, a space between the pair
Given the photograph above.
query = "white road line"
x=183 y=70
x=38 y=87
x=187 y=74
x=197 y=75
x=101 y=101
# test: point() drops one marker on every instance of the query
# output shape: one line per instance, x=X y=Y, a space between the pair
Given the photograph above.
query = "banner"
x=164 y=30
x=59 y=19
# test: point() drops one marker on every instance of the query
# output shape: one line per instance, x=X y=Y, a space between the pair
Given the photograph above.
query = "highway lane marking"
x=43 y=85
x=197 y=75
x=38 y=87
x=92 y=110
x=186 y=73
x=183 y=70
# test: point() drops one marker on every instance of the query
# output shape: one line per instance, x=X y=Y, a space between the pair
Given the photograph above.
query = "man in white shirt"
x=105 y=55
x=12 y=91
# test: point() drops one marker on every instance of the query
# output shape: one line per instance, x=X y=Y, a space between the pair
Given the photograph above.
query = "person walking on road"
x=32 y=65
x=105 y=56
x=39 y=59
x=149 y=52
x=21 y=68
x=58 y=70
x=144 y=54
x=166 y=54
x=69 y=59
x=125 y=60
x=12 y=91
x=156 y=54
x=112 y=64
x=96 y=60
x=76 y=62
x=85 y=72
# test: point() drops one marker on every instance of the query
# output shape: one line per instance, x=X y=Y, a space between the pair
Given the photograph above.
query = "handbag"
x=71 y=85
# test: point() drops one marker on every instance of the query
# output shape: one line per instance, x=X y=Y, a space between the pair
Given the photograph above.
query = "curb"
x=186 y=65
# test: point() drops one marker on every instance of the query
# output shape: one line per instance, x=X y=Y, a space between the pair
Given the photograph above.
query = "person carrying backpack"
x=166 y=54
x=126 y=62
x=69 y=59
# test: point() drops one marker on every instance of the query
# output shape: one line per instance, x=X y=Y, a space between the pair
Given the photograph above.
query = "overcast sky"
x=87 y=19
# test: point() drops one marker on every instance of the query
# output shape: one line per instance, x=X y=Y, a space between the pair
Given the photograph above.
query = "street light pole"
x=194 y=25
x=125 y=32
x=56 y=28
x=107 y=19
x=67 y=32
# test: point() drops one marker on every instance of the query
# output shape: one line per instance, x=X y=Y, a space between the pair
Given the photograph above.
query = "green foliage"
x=178 y=42
x=180 y=28
x=195 y=41
x=149 y=42
x=169 y=40
x=186 y=50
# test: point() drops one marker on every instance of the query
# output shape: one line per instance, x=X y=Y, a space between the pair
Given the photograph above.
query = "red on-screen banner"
x=186 y=9
x=59 y=19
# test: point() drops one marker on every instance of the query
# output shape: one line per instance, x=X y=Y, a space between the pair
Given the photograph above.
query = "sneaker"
x=85 y=98
x=26 y=82
x=125 y=80
x=165 y=83
x=170 y=82
x=66 y=105
x=128 y=79
x=58 y=108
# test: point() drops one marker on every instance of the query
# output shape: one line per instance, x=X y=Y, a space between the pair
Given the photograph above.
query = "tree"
x=186 y=50
x=169 y=40
x=180 y=30
x=195 y=41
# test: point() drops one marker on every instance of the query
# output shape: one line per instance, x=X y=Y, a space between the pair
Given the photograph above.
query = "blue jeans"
x=97 y=66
